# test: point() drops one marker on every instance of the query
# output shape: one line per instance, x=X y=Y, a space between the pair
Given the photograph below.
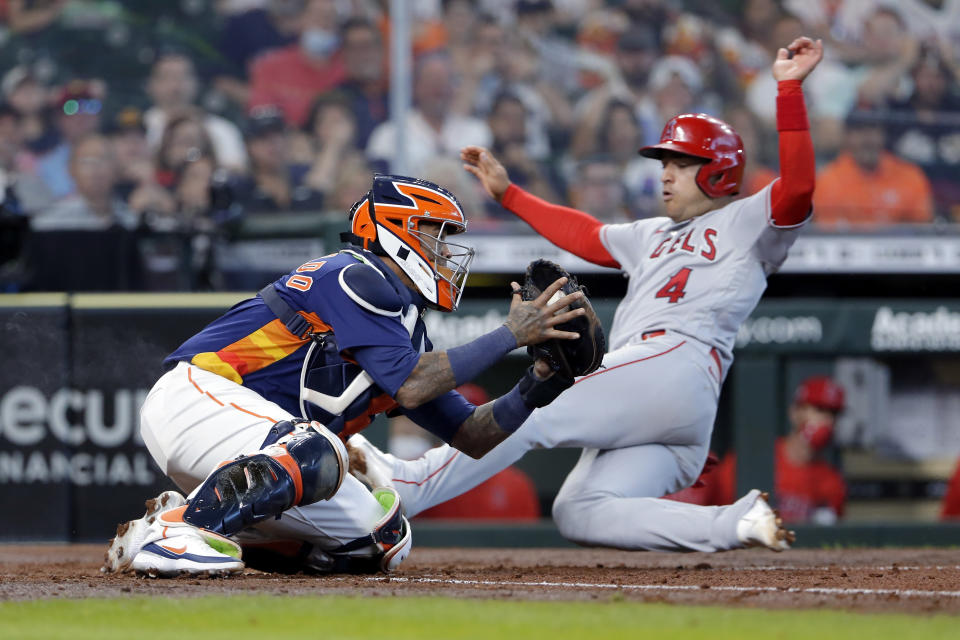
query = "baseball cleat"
x=130 y=535
x=173 y=547
x=761 y=526
x=368 y=464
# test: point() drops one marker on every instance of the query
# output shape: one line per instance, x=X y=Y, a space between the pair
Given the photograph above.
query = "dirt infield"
x=903 y=580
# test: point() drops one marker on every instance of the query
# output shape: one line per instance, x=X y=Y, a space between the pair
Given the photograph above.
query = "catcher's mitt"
x=569 y=358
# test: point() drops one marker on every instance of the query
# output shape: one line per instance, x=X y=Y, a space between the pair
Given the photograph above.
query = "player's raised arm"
x=569 y=229
x=792 y=195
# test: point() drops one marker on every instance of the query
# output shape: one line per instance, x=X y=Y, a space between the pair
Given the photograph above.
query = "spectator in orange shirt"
x=867 y=186
x=807 y=488
x=293 y=76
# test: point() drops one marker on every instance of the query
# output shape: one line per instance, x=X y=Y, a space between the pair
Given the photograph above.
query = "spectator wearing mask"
x=173 y=87
x=291 y=77
x=247 y=32
x=868 y=186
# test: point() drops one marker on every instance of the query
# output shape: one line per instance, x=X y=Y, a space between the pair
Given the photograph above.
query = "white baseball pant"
x=192 y=420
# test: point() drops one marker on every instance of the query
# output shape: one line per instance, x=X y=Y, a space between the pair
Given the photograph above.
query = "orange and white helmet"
x=387 y=222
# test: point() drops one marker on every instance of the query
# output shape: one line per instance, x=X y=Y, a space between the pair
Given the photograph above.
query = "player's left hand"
x=806 y=54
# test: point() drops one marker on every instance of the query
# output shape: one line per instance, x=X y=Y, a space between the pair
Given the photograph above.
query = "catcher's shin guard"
x=305 y=465
x=384 y=549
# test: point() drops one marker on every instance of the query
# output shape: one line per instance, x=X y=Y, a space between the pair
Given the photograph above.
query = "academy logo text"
x=915 y=331
x=82 y=437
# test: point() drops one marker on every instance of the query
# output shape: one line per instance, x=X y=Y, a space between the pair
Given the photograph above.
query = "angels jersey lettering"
x=700 y=277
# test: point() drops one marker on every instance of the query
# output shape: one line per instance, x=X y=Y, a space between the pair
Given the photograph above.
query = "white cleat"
x=172 y=547
x=368 y=464
x=762 y=527
x=130 y=535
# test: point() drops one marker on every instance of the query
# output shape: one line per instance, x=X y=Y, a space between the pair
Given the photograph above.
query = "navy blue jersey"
x=367 y=334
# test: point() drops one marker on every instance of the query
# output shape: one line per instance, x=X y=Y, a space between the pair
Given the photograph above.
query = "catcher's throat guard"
x=394 y=219
x=305 y=463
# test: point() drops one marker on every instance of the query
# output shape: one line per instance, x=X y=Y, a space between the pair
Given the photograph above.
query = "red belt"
x=652 y=334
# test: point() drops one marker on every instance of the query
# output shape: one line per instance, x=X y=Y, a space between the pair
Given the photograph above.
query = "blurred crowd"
x=187 y=118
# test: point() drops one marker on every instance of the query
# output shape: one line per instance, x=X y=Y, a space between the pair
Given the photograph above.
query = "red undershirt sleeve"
x=569 y=229
x=792 y=195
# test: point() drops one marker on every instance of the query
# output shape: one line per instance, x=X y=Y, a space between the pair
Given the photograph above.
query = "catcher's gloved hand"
x=569 y=358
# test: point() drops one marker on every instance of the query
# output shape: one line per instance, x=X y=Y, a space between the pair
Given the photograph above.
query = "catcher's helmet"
x=387 y=221
x=821 y=392
x=703 y=136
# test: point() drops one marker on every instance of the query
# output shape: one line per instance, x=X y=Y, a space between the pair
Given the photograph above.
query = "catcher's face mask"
x=409 y=220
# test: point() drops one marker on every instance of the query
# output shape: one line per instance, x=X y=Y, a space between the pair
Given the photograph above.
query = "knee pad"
x=303 y=466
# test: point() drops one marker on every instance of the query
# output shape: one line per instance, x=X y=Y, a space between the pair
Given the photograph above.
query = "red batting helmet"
x=821 y=392
x=703 y=136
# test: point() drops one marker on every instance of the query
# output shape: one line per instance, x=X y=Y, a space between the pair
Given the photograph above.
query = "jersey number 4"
x=674 y=289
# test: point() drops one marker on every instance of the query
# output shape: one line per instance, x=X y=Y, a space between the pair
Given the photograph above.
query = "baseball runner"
x=252 y=414
x=644 y=420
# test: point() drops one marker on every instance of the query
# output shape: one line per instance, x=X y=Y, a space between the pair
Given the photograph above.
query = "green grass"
x=420 y=618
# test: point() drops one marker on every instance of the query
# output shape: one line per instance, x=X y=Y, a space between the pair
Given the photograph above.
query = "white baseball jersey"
x=701 y=277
